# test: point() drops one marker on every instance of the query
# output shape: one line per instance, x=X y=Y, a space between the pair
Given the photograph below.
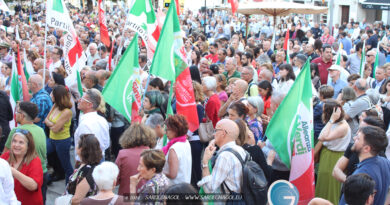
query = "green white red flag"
x=57 y=16
x=363 y=60
x=123 y=89
x=376 y=63
x=142 y=20
x=286 y=46
x=290 y=132
x=169 y=62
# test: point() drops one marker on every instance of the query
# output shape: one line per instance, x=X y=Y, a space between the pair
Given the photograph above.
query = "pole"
x=205 y=14
x=330 y=23
x=246 y=29
x=44 y=56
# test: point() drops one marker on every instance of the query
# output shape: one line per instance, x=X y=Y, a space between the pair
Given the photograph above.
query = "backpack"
x=254 y=186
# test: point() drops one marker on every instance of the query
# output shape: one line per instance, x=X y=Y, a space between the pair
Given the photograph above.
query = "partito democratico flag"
x=57 y=16
x=123 y=89
x=290 y=132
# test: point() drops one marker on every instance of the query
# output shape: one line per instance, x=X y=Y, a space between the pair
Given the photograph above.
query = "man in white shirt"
x=90 y=122
x=56 y=55
x=93 y=54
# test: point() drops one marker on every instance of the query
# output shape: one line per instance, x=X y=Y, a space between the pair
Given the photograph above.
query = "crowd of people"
x=239 y=75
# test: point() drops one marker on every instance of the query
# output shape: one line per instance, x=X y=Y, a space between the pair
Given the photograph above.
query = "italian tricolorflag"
x=169 y=62
x=57 y=16
x=290 y=132
x=142 y=20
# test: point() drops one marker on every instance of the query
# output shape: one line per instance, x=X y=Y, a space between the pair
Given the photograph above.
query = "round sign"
x=283 y=192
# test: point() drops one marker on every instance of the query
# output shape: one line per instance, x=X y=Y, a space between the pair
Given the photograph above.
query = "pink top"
x=127 y=161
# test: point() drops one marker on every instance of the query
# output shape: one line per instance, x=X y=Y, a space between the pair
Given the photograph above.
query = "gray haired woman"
x=105 y=176
x=256 y=107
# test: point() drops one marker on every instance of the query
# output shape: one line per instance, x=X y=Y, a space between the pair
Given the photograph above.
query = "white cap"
x=335 y=67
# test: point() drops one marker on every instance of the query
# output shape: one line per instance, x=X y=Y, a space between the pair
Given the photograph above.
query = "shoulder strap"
x=113 y=200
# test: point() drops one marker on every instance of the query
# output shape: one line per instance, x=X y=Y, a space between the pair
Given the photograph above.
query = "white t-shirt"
x=340 y=144
x=7 y=194
x=183 y=152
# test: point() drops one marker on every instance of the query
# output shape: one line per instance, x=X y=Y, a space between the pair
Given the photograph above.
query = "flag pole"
x=44 y=58
x=146 y=88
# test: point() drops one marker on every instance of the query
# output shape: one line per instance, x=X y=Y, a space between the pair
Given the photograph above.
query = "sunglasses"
x=25 y=132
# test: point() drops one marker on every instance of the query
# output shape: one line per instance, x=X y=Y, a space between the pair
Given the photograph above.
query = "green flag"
x=119 y=91
x=169 y=60
x=376 y=63
x=363 y=60
x=169 y=111
x=79 y=85
x=338 y=60
x=288 y=120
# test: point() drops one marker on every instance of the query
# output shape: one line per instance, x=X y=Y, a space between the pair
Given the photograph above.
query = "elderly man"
x=231 y=69
x=370 y=57
x=337 y=83
x=247 y=75
x=90 y=122
x=380 y=78
x=41 y=98
x=91 y=81
x=4 y=53
x=38 y=64
x=203 y=65
x=156 y=122
x=227 y=169
x=102 y=76
x=238 y=94
x=359 y=105
x=93 y=54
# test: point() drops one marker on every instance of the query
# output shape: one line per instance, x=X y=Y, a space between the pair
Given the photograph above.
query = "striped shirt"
x=227 y=169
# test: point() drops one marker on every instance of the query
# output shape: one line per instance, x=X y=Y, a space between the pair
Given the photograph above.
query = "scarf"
x=172 y=142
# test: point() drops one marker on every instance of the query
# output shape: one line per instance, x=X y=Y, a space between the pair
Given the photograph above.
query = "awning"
x=375 y=4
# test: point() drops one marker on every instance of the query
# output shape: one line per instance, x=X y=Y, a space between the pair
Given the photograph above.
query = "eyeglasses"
x=216 y=130
x=369 y=55
x=83 y=98
x=25 y=132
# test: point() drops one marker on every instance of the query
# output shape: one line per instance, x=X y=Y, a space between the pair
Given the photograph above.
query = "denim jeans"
x=62 y=147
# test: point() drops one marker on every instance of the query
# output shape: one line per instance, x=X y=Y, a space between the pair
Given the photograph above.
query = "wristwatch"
x=205 y=166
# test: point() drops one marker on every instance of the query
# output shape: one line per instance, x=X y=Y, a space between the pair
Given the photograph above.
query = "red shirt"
x=267 y=104
x=212 y=108
x=34 y=171
x=323 y=69
x=213 y=58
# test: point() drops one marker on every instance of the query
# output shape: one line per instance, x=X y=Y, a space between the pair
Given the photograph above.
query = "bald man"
x=102 y=76
x=239 y=89
x=41 y=98
x=359 y=105
x=38 y=64
x=227 y=170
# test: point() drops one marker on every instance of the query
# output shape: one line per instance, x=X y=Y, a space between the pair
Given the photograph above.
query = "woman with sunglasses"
x=25 y=167
x=58 y=121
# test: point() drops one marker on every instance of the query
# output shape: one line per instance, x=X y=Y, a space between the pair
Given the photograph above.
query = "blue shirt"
x=337 y=86
x=44 y=103
x=276 y=67
x=347 y=44
x=378 y=169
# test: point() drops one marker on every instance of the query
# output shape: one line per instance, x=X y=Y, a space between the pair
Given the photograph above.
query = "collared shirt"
x=44 y=103
x=227 y=169
x=92 y=123
x=353 y=63
x=236 y=74
x=377 y=85
x=323 y=69
x=91 y=59
x=378 y=169
x=337 y=86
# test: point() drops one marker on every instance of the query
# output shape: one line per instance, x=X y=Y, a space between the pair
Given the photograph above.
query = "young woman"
x=286 y=78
